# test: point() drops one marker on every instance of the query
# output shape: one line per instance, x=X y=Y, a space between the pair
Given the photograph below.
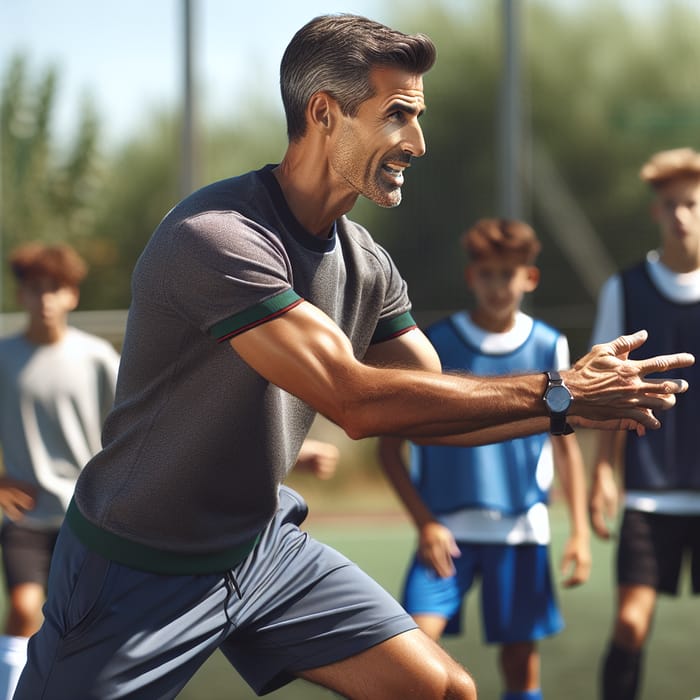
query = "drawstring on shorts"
x=231 y=587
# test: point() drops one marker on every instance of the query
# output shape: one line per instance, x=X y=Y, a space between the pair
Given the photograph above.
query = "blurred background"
x=543 y=109
x=537 y=109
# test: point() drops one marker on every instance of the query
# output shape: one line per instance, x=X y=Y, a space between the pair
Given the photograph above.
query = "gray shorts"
x=114 y=632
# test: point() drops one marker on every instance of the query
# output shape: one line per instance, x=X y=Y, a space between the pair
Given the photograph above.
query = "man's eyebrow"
x=408 y=107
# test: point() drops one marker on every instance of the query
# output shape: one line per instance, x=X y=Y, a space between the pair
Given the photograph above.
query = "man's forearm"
x=444 y=408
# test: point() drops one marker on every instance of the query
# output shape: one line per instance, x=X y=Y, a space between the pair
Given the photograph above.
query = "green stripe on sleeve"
x=392 y=327
x=255 y=315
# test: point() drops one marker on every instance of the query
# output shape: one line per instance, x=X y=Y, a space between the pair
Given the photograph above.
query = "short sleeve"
x=395 y=318
x=227 y=274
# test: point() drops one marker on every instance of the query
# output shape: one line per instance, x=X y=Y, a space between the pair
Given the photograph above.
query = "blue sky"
x=125 y=52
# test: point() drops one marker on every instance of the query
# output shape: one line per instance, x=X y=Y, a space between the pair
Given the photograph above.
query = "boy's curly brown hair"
x=59 y=262
x=507 y=239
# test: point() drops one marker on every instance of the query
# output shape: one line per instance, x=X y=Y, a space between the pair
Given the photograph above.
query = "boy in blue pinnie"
x=481 y=512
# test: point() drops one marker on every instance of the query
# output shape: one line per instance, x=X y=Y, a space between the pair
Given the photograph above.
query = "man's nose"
x=414 y=144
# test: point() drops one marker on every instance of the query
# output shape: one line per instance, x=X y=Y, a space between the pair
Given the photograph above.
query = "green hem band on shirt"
x=156 y=561
x=393 y=327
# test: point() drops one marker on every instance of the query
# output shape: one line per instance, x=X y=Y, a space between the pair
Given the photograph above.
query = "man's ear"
x=320 y=111
x=533 y=278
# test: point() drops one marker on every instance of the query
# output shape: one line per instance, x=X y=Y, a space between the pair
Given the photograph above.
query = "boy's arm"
x=568 y=461
x=436 y=544
x=317 y=458
x=603 y=501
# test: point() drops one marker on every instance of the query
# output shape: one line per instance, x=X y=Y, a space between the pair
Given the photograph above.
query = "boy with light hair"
x=661 y=517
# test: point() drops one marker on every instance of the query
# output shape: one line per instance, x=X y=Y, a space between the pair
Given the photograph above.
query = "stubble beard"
x=380 y=194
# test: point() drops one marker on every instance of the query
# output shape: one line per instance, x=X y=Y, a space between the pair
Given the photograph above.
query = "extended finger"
x=660 y=394
x=631 y=421
x=664 y=363
x=626 y=343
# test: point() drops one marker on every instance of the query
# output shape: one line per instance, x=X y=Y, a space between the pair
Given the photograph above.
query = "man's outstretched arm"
x=305 y=353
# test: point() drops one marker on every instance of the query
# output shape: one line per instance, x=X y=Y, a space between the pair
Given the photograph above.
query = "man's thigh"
x=409 y=665
x=303 y=606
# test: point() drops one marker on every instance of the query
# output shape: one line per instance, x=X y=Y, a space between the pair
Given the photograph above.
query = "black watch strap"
x=557 y=420
x=558 y=424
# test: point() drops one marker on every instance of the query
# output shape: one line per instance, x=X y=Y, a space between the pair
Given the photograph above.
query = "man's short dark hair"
x=335 y=54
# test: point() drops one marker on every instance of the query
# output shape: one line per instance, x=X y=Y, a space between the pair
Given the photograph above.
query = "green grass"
x=569 y=660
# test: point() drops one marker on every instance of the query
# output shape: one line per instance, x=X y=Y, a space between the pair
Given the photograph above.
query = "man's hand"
x=612 y=392
x=437 y=548
x=318 y=458
x=16 y=498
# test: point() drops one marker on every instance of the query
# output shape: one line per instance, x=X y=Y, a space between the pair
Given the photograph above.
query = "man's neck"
x=311 y=193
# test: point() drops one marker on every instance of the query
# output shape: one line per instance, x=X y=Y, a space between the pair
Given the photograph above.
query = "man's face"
x=373 y=148
x=677 y=211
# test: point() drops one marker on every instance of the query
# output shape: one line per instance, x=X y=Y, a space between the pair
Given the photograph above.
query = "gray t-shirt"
x=53 y=401
x=198 y=442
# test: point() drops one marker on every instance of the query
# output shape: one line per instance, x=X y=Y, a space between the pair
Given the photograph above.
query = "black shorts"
x=653 y=547
x=26 y=553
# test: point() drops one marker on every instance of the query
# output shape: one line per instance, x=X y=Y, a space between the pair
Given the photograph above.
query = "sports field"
x=570 y=661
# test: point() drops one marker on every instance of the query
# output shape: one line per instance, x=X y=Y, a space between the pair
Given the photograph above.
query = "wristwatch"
x=557 y=398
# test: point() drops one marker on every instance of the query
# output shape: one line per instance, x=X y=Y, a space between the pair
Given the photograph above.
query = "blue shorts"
x=115 y=632
x=517 y=597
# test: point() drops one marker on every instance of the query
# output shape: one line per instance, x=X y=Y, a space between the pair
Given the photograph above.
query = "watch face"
x=558 y=399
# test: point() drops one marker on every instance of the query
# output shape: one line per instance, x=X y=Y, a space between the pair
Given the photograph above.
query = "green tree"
x=48 y=193
x=603 y=89
x=142 y=184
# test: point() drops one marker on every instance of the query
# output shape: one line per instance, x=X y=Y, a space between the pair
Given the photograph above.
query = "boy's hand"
x=16 y=498
x=318 y=458
x=603 y=502
x=576 y=561
x=437 y=547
